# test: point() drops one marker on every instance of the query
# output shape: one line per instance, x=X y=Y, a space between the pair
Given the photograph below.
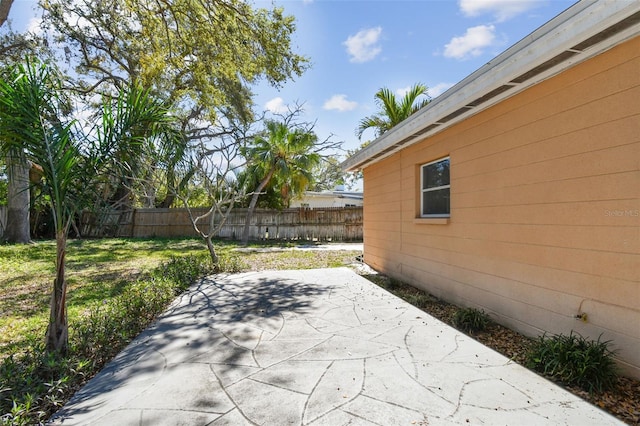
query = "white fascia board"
x=350 y=196
x=567 y=30
x=313 y=194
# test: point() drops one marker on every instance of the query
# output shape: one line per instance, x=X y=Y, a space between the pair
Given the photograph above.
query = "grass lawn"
x=98 y=270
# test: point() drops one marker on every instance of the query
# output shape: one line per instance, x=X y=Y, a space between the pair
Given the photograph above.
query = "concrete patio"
x=313 y=347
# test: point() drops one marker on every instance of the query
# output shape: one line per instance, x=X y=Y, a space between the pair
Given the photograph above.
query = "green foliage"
x=32 y=127
x=4 y=180
x=203 y=59
x=328 y=174
x=35 y=384
x=471 y=319
x=419 y=299
x=31 y=124
x=575 y=360
x=32 y=111
x=230 y=263
x=183 y=271
x=283 y=155
x=15 y=46
x=203 y=62
x=392 y=110
x=135 y=131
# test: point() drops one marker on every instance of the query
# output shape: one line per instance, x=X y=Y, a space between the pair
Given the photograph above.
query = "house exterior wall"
x=545 y=208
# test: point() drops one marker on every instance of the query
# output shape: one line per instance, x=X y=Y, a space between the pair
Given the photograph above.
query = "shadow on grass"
x=108 y=286
x=89 y=252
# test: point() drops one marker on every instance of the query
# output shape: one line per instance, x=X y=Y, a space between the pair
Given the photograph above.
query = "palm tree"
x=137 y=132
x=31 y=123
x=394 y=111
x=284 y=154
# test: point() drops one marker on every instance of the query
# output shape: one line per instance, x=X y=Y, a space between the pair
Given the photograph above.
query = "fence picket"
x=322 y=224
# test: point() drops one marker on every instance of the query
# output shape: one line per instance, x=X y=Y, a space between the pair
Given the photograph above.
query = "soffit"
x=584 y=30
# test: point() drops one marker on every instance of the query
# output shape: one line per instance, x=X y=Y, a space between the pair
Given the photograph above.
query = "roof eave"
x=566 y=40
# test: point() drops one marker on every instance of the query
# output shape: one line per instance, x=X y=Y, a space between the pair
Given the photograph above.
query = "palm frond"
x=393 y=111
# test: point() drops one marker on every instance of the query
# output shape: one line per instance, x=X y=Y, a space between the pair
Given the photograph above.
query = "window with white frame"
x=435 y=189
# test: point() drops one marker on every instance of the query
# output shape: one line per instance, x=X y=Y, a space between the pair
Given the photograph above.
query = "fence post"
x=331 y=223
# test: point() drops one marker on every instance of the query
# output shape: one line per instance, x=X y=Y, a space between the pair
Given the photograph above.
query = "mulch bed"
x=623 y=401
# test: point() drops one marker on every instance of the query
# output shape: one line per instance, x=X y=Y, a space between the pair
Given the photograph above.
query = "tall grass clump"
x=183 y=271
x=230 y=263
x=574 y=360
x=33 y=385
x=471 y=320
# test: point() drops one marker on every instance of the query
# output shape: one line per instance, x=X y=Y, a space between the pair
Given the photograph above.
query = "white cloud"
x=35 y=26
x=276 y=105
x=403 y=91
x=339 y=103
x=439 y=89
x=471 y=43
x=364 y=46
x=500 y=9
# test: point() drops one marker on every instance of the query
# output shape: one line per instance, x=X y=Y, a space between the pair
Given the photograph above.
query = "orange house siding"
x=545 y=210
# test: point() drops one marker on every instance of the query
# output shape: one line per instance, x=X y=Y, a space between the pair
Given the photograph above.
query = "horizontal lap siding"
x=382 y=218
x=545 y=210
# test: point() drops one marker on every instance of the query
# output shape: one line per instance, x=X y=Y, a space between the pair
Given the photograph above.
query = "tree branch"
x=5 y=8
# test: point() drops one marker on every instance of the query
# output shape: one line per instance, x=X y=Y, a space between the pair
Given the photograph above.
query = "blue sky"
x=358 y=46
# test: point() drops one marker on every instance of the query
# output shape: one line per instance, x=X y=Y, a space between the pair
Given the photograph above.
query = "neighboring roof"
x=586 y=29
x=335 y=194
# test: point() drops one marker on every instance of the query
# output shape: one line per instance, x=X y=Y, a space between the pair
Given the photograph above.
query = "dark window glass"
x=436 y=189
x=436 y=174
x=436 y=202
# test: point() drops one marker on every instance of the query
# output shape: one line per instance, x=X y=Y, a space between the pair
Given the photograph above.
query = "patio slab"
x=313 y=347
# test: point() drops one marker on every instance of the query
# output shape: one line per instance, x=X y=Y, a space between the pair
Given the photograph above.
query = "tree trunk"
x=18 y=200
x=212 y=249
x=168 y=201
x=58 y=332
x=252 y=206
x=5 y=8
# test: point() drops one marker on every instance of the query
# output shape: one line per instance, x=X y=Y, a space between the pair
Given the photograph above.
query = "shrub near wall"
x=575 y=360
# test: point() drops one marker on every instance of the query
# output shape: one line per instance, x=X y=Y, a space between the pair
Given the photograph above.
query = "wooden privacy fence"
x=319 y=224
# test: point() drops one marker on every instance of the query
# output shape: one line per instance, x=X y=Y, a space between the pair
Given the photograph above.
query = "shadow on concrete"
x=190 y=329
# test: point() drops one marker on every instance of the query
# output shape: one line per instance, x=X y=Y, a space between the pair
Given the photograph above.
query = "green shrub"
x=106 y=329
x=575 y=360
x=230 y=263
x=419 y=300
x=183 y=271
x=471 y=320
x=35 y=384
x=390 y=284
